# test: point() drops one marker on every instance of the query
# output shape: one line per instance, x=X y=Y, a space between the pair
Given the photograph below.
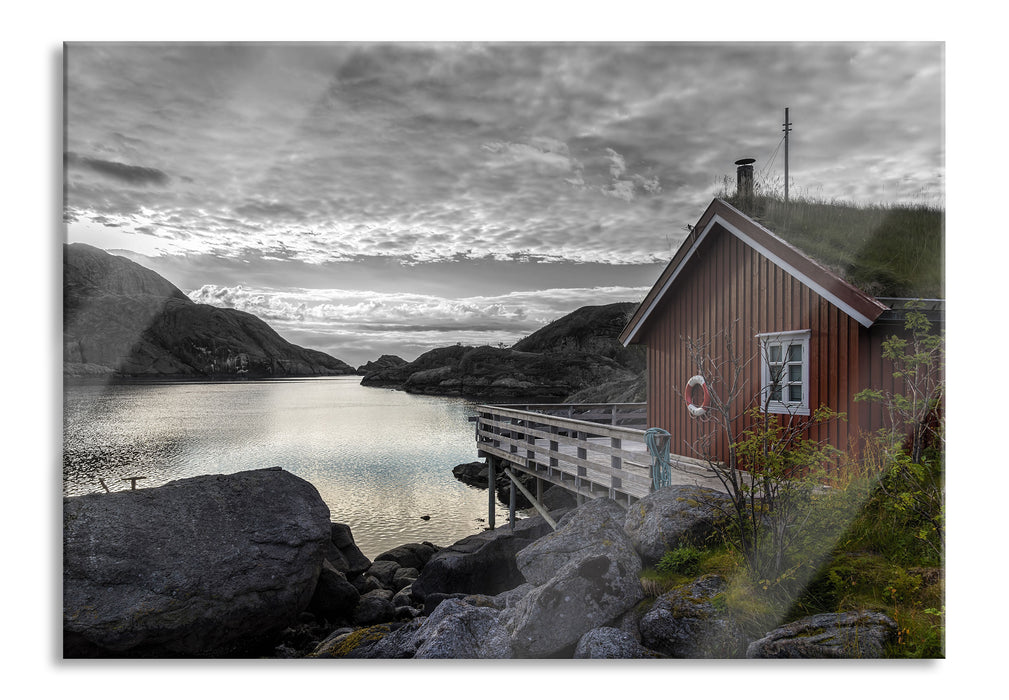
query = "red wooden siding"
x=728 y=287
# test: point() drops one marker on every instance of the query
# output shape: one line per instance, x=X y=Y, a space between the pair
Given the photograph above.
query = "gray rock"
x=357 y=644
x=410 y=556
x=687 y=623
x=334 y=597
x=432 y=601
x=586 y=531
x=472 y=473
x=197 y=567
x=480 y=563
x=365 y=583
x=384 y=571
x=455 y=630
x=508 y=599
x=399 y=644
x=403 y=577
x=351 y=561
x=585 y=575
x=407 y=612
x=374 y=608
x=459 y=630
x=611 y=643
x=673 y=516
x=404 y=596
x=847 y=635
x=558 y=498
x=380 y=593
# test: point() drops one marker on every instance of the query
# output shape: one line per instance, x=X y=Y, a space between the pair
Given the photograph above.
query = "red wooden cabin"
x=734 y=279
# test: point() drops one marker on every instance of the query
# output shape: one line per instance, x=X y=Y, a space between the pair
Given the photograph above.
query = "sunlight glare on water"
x=381 y=459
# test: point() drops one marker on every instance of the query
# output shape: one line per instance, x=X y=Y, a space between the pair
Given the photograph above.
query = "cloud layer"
x=426 y=152
x=352 y=323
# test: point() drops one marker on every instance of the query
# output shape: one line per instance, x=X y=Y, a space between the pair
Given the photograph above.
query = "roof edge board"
x=669 y=281
x=794 y=272
x=714 y=217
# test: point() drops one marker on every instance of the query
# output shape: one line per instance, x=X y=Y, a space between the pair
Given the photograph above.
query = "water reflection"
x=381 y=459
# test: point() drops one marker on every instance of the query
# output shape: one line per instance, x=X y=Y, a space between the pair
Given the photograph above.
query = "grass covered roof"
x=886 y=251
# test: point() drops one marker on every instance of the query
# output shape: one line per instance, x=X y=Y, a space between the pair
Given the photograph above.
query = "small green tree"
x=772 y=466
x=914 y=409
x=913 y=437
x=785 y=467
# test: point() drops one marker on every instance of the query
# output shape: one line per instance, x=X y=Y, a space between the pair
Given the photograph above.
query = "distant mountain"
x=577 y=353
x=383 y=362
x=119 y=318
x=590 y=329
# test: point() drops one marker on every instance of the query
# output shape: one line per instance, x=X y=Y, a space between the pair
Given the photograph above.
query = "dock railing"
x=589 y=449
x=592 y=450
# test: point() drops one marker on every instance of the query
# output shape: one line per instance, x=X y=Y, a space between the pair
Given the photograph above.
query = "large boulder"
x=410 y=556
x=456 y=629
x=586 y=575
x=689 y=623
x=335 y=597
x=611 y=643
x=343 y=553
x=355 y=643
x=673 y=516
x=595 y=528
x=480 y=563
x=847 y=635
x=459 y=630
x=207 y=566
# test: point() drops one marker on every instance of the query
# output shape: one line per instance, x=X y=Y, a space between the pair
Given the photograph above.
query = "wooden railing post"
x=554 y=448
x=616 y=463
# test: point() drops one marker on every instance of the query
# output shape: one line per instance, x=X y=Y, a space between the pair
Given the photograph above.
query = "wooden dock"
x=592 y=450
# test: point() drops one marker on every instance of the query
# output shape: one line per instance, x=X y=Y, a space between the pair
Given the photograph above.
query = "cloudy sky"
x=365 y=198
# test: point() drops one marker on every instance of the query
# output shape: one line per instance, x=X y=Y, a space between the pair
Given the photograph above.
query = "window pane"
x=795 y=373
x=774 y=353
x=777 y=373
x=795 y=353
x=795 y=393
x=776 y=393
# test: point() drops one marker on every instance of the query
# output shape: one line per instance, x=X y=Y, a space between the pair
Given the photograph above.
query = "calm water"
x=381 y=459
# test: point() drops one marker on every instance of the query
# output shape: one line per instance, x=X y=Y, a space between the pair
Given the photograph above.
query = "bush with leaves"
x=912 y=440
x=683 y=560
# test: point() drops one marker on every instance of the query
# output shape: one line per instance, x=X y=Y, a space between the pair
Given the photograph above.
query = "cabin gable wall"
x=730 y=292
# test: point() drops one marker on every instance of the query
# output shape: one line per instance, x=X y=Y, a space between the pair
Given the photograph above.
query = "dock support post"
x=536 y=504
x=511 y=502
x=490 y=492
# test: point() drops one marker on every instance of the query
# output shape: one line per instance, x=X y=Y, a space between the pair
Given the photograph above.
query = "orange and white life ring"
x=696 y=411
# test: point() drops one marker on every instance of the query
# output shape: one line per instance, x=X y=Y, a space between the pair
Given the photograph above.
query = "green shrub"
x=682 y=560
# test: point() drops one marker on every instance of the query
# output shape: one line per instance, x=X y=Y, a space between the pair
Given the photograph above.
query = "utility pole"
x=787 y=128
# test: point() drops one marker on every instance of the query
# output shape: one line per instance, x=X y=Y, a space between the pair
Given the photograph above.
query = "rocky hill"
x=119 y=318
x=383 y=362
x=576 y=353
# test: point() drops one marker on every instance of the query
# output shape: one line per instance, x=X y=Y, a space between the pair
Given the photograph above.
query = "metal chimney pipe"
x=744 y=179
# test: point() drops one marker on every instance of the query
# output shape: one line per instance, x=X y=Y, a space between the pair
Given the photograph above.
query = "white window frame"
x=783 y=340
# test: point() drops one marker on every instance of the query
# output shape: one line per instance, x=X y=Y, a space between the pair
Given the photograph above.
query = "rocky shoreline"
x=249 y=565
